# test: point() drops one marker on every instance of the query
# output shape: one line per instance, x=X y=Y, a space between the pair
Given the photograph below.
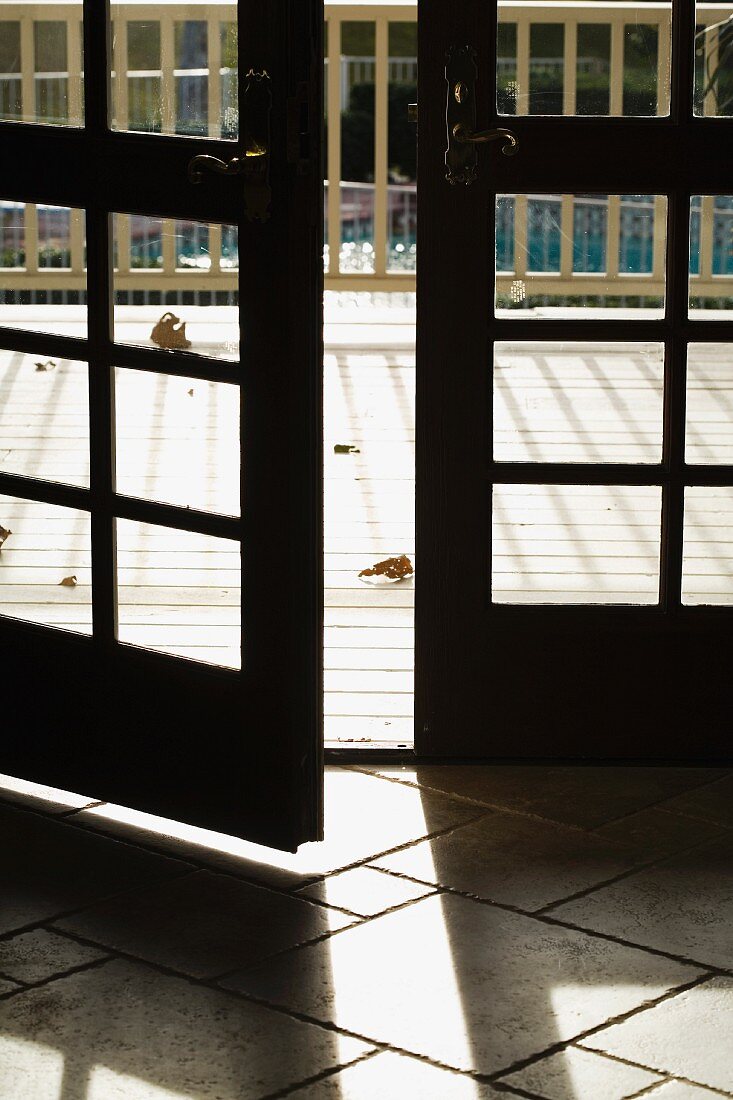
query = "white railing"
x=372 y=222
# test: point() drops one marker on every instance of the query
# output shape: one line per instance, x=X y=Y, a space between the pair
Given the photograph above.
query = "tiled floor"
x=463 y=933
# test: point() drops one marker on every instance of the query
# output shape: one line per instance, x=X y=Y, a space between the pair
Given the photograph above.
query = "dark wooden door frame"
x=641 y=683
x=237 y=752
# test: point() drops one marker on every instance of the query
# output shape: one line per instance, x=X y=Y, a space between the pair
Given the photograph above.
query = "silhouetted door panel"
x=160 y=364
x=575 y=500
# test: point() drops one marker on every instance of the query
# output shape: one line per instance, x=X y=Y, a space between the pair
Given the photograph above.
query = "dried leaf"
x=190 y=393
x=393 y=569
x=170 y=333
x=48 y=365
x=69 y=582
x=4 y=534
x=345 y=449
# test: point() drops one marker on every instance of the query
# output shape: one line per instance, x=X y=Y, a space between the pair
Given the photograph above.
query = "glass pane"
x=562 y=255
x=578 y=402
x=402 y=148
x=176 y=285
x=709 y=404
x=593 y=69
x=178 y=440
x=41 y=63
x=174 y=75
x=707 y=567
x=46 y=564
x=713 y=61
x=44 y=417
x=357 y=147
x=179 y=593
x=576 y=544
x=43 y=279
x=11 y=84
x=711 y=257
x=614 y=62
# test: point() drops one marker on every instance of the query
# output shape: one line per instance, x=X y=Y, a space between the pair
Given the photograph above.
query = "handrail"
x=369 y=211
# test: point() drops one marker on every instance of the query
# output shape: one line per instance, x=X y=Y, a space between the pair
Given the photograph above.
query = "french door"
x=575 y=492
x=160 y=573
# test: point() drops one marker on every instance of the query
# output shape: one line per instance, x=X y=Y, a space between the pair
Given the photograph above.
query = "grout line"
x=665 y=1074
x=282 y=1010
x=556 y=922
x=660 y=805
x=291 y=889
x=418 y=784
x=80 y=809
x=321 y=939
x=208 y=983
x=722 y=825
x=28 y=986
x=638 y=868
x=558 y=1047
x=47 y=923
x=332 y=1071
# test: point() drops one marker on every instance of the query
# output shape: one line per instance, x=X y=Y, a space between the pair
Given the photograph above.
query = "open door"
x=160 y=574
x=575 y=487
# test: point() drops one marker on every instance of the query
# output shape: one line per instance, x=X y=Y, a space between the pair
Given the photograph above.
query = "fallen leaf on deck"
x=68 y=582
x=48 y=365
x=4 y=534
x=393 y=569
x=170 y=333
x=345 y=449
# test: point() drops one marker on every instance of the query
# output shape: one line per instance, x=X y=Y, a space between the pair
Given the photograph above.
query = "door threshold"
x=369 y=752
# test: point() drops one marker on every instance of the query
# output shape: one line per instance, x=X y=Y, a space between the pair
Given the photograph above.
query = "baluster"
x=334 y=103
x=381 y=139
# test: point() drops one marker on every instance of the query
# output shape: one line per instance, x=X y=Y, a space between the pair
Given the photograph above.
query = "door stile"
x=453 y=345
x=97 y=55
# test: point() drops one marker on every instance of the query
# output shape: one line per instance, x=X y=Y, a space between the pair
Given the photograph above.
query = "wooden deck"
x=177 y=442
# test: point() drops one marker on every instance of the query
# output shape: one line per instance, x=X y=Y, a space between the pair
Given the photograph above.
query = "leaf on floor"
x=48 y=365
x=346 y=449
x=391 y=569
x=69 y=582
x=4 y=534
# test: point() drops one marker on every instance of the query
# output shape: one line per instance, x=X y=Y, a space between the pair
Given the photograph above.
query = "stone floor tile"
x=587 y=796
x=464 y=983
x=204 y=924
x=8 y=987
x=684 y=906
x=37 y=796
x=654 y=833
x=690 y=1035
x=712 y=803
x=364 y=816
x=576 y=1074
x=365 y=891
x=390 y=1076
x=48 y=867
x=124 y=1032
x=37 y=956
x=515 y=860
x=679 y=1090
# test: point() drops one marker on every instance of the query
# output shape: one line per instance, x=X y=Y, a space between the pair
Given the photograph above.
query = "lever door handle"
x=461 y=155
x=205 y=163
x=254 y=162
x=467 y=136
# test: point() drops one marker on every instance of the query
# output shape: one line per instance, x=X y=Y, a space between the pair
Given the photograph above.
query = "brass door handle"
x=254 y=162
x=204 y=162
x=466 y=136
